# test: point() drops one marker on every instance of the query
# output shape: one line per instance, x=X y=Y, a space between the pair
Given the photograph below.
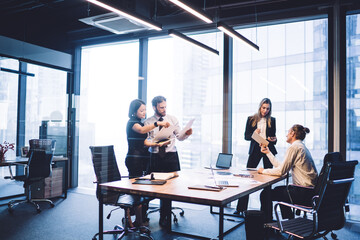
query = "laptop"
x=223 y=161
x=226 y=183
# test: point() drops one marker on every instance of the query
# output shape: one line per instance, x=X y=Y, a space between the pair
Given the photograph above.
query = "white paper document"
x=164 y=134
x=187 y=127
x=259 y=139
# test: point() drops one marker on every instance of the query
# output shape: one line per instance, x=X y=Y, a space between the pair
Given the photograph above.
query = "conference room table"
x=177 y=189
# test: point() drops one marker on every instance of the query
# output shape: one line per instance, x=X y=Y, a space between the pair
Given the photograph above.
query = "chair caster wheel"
x=175 y=220
x=52 y=205
x=182 y=214
x=333 y=236
x=38 y=210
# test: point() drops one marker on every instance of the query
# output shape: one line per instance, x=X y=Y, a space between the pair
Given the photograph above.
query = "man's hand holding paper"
x=259 y=139
x=187 y=130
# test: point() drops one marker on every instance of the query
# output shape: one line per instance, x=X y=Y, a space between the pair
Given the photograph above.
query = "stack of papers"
x=165 y=134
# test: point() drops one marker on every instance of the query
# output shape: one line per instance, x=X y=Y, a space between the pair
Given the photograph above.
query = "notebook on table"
x=223 y=161
x=206 y=188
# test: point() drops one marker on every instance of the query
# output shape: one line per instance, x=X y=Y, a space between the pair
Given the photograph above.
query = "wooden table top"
x=177 y=188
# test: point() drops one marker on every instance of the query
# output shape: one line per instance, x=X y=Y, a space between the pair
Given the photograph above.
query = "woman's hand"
x=272 y=139
x=257 y=131
x=163 y=143
x=163 y=124
x=260 y=170
x=264 y=149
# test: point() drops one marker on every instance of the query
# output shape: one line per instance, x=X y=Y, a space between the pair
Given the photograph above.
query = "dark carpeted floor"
x=77 y=218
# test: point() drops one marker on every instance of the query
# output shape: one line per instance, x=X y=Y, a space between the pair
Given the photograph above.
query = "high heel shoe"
x=144 y=230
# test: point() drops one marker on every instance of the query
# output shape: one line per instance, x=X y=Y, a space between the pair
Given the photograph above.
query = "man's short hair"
x=158 y=99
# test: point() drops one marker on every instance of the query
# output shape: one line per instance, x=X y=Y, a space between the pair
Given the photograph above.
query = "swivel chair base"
x=157 y=209
x=121 y=231
x=13 y=203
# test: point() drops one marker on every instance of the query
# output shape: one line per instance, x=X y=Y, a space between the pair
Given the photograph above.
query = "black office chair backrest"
x=106 y=170
x=329 y=158
x=39 y=165
x=48 y=145
x=332 y=197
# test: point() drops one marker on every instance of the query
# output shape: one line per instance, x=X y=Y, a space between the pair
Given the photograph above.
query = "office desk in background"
x=57 y=163
x=176 y=189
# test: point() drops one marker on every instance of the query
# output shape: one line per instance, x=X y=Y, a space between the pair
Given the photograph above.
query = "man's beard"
x=159 y=114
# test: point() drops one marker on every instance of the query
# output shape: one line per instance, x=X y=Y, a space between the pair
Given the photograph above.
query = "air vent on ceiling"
x=114 y=23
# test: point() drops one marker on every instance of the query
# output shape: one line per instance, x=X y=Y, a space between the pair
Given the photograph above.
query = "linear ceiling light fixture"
x=234 y=34
x=133 y=16
x=196 y=12
x=174 y=33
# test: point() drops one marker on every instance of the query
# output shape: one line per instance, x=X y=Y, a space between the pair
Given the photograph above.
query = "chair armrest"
x=299 y=186
x=12 y=177
x=301 y=208
x=11 y=174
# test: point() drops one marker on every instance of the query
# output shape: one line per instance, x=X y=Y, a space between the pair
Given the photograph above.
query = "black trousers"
x=137 y=165
x=299 y=195
x=253 y=162
x=167 y=163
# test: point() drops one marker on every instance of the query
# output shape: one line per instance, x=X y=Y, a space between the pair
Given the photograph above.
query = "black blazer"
x=270 y=132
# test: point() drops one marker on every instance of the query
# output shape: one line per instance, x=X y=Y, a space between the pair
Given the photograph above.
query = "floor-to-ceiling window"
x=291 y=70
x=353 y=102
x=109 y=82
x=191 y=80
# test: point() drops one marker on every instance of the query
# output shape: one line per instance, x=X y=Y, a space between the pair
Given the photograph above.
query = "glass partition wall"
x=30 y=99
x=46 y=106
x=8 y=102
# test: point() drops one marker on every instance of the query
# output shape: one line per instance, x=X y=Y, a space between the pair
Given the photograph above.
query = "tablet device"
x=150 y=182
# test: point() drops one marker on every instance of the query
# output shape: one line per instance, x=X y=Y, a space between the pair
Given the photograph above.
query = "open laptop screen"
x=224 y=160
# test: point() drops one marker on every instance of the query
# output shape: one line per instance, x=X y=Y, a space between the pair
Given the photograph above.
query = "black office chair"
x=327 y=205
x=106 y=170
x=37 y=169
x=329 y=157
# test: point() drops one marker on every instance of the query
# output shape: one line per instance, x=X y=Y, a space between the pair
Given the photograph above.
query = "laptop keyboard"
x=222 y=182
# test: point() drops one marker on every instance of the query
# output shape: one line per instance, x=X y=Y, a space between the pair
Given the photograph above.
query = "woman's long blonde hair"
x=257 y=116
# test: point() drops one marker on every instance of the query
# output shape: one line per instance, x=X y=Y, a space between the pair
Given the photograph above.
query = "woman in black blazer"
x=262 y=123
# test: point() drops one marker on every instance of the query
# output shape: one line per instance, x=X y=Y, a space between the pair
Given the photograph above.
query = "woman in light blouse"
x=265 y=125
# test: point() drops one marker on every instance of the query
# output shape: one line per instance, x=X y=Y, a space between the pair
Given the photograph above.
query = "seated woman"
x=299 y=161
x=137 y=159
